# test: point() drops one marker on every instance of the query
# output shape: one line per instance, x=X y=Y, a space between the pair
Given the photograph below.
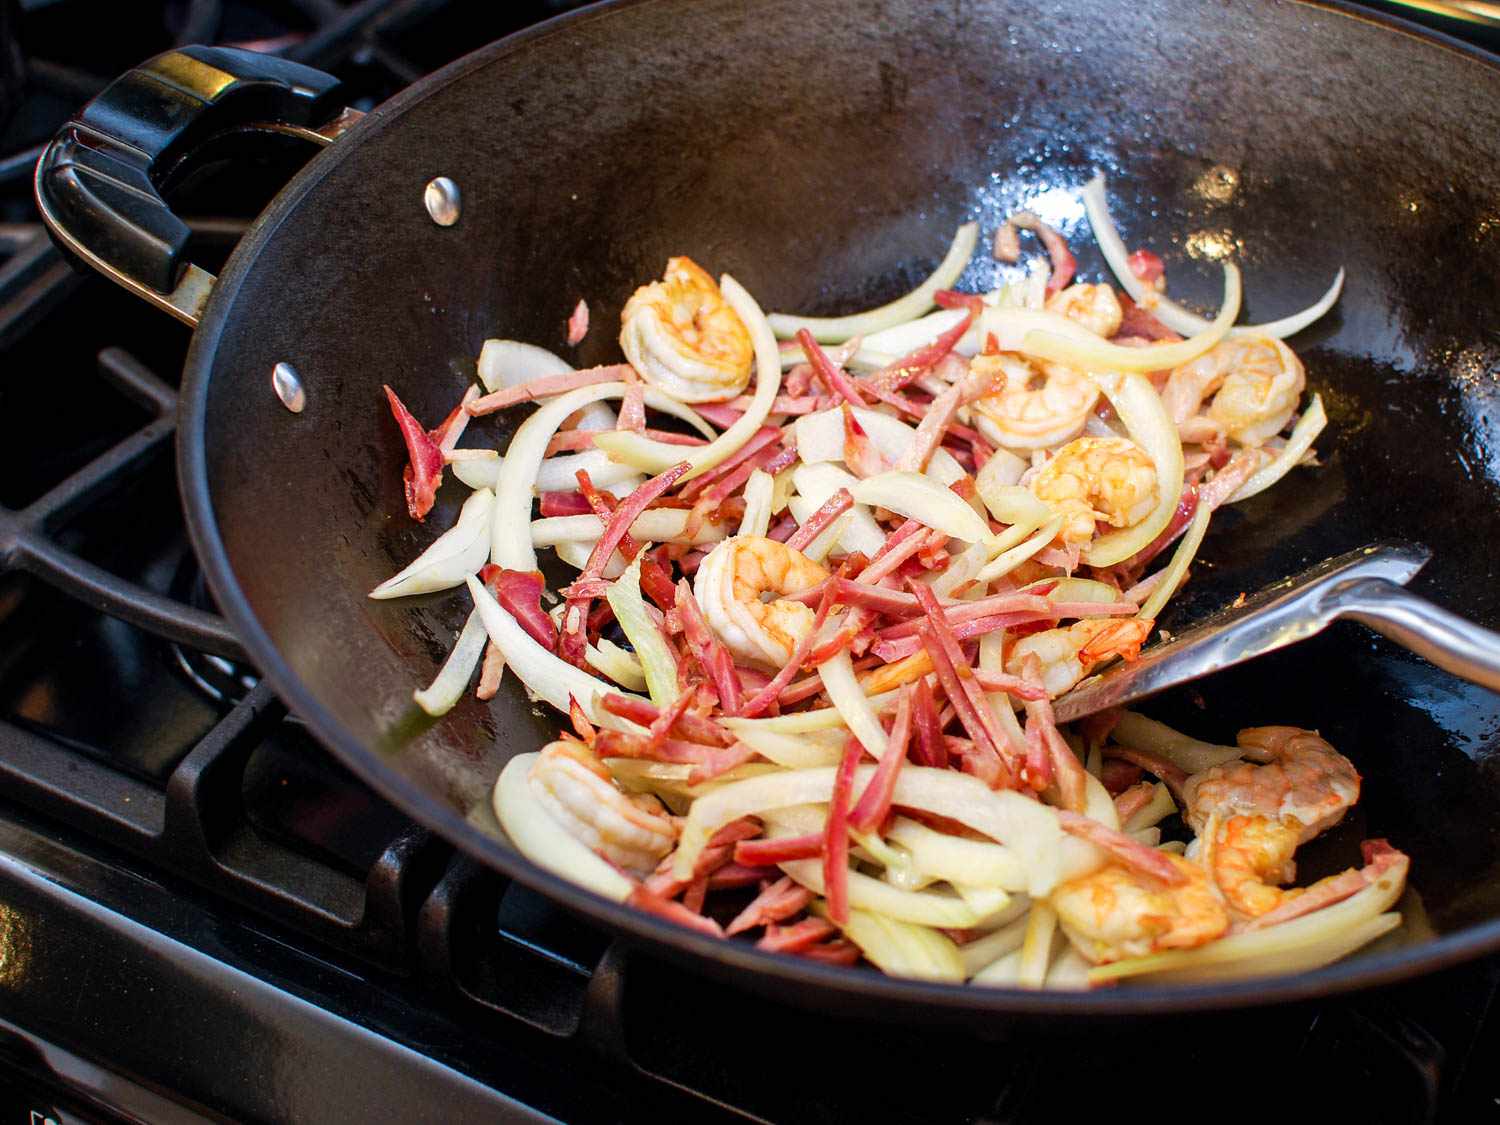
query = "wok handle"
x=100 y=182
x=1452 y=643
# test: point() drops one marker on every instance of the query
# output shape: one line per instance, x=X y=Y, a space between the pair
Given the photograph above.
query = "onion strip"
x=451 y=557
x=852 y=704
x=922 y=499
x=1177 y=569
x=655 y=457
x=901 y=949
x=834 y=330
x=1304 y=433
x=448 y=685
x=548 y=676
x=650 y=646
x=1169 y=312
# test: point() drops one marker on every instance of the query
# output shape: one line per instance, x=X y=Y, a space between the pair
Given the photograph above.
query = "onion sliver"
x=1304 y=433
x=923 y=499
x=1141 y=409
x=787 y=750
x=657 y=663
x=1078 y=347
x=1169 y=312
x=757 y=517
x=834 y=330
x=540 y=838
x=851 y=702
x=903 y=339
x=902 y=949
x=983 y=952
x=548 y=676
x=975 y=863
x=815 y=484
x=806 y=722
x=659 y=525
x=820 y=437
x=448 y=685
x=657 y=457
x=509 y=363
x=1189 y=754
x=918 y=907
x=617 y=664
x=560 y=474
x=1028 y=828
x=1036 y=947
x=1177 y=569
x=1154 y=811
x=1007 y=561
x=1239 y=954
x=451 y=557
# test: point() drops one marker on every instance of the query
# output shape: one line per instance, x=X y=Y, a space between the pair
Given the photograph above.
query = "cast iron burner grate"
x=159 y=809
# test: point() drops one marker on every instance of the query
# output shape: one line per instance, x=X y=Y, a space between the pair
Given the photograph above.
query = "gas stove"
x=204 y=916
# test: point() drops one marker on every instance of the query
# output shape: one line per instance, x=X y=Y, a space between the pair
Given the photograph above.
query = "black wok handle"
x=1469 y=651
x=99 y=184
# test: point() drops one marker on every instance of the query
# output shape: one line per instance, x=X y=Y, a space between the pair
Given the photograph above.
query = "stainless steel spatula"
x=1363 y=585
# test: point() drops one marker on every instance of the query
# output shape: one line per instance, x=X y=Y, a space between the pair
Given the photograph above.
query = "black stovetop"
x=203 y=915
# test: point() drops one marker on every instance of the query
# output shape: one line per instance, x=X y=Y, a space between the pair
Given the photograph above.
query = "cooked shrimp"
x=1094 y=306
x=1253 y=817
x=737 y=584
x=1066 y=655
x=1033 y=408
x=1097 y=478
x=1258 y=380
x=1114 y=913
x=683 y=337
x=631 y=831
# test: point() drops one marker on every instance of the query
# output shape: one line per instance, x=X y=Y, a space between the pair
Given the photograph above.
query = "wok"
x=823 y=154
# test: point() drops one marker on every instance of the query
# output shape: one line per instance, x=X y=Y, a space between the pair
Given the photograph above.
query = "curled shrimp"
x=1094 y=306
x=1114 y=912
x=1066 y=655
x=575 y=787
x=1097 y=478
x=1252 y=817
x=1033 y=408
x=684 y=338
x=1256 y=383
x=737 y=585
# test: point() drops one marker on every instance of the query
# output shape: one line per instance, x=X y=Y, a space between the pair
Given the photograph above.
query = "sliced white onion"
x=808 y=722
x=1141 y=409
x=659 y=525
x=815 y=484
x=1177 y=569
x=540 y=838
x=1169 y=312
x=1029 y=828
x=509 y=363
x=923 y=499
x=834 y=330
x=576 y=552
x=650 y=646
x=789 y=751
x=1048 y=335
x=1306 y=942
x=1304 y=433
x=510 y=545
x=1012 y=504
x=981 y=953
x=1154 y=811
x=1004 y=469
x=850 y=701
x=617 y=664
x=758 y=493
x=560 y=474
x=1187 y=753
x=548 y=676
x=438 y=697
x=820 y=437
x=902 y=949
x=903 y=339
x=453 y=556
x=827 y=539
x=1036 y=946
x=653 y=456
x=962 y=567
x=976 y=863
x=1007 y=561
x=865 y=893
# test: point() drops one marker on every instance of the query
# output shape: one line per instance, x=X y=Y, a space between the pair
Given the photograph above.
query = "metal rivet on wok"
x=288 y=387
x=442 y=199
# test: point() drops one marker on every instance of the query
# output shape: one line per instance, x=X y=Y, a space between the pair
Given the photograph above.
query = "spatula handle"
x=1448 y=640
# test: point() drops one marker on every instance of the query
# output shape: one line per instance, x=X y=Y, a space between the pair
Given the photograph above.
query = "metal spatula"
x=1363 y=585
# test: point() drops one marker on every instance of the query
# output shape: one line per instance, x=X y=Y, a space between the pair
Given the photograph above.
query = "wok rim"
x=724 y=959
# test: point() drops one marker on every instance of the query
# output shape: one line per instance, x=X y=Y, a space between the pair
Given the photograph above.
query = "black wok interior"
x=823 y=154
